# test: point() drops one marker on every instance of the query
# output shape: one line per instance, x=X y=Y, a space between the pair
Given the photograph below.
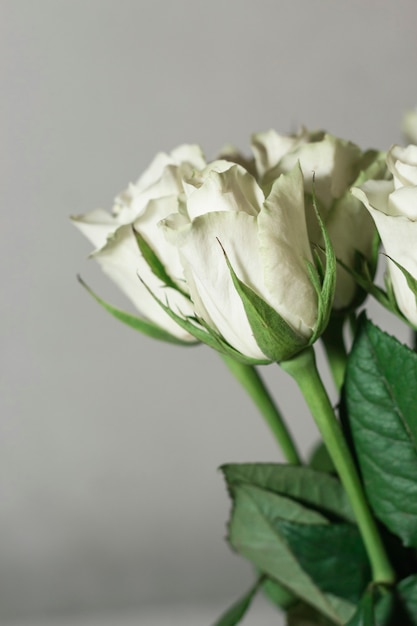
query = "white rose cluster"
x=232 y=251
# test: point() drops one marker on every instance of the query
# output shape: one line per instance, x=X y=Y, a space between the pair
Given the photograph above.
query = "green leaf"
x=137 y=323
x=273 y=335
x=333 y=555
x=317 y=490
x=381 y=403
x=305 y=615
x=365 y=615
x=254 y=533
x=375 y=609
x=407 y=594
x=238 y=610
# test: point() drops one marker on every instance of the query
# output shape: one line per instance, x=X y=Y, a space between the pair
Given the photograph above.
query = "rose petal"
x=269 y=147
x=403 y=202
x=398 y=235
x=284 y=250
x=96 y=225
x=375 y=193
x=149 y=225
x=332 y=161
x=231 y=190
x=402 y=163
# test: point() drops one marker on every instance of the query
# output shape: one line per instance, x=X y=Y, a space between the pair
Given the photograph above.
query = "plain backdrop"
x=110 y=498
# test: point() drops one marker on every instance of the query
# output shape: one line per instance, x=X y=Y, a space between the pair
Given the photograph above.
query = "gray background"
x=109 y=442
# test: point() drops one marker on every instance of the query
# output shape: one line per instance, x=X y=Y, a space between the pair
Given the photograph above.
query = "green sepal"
x=364 y=276
x=238 y=610
x=381 y=404
x=364 y=273
x=155 y=264
x=274 y=336
x=195 y=326
x=411 y=283
x=204 y=333
x=137 y=323
x=323 y=280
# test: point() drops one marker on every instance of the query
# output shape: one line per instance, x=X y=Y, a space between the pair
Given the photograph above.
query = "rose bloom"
x=330 y=166
x=266 y=243
x=140 y=208
x=393 y=206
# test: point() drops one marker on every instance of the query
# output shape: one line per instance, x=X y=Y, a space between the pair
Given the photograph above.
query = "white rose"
x=266 y=243
x=334 y=164
x=393 y=206
x=141 y=207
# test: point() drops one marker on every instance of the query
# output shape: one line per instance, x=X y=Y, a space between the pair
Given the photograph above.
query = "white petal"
x=269 y=147
x=163 y=177
x=284 y=249
x=186 y=153
x=332 y=161
x=402 y=163
x=96 y=225
x=350 y=228
x=399 y=236
x=154 y=171
x=130 y=204
x=191 y=154
x=403 y=202
x=231 y=190
x=198 y=177
x=375 y=193
x=149 y=226
x=211 y=287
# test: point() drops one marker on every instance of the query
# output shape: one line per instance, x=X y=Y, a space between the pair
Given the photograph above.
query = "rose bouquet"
x=260 y=258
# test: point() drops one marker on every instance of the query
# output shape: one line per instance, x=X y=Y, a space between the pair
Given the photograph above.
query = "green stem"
x=249 y=378
x=304 y=371
x=335 y=349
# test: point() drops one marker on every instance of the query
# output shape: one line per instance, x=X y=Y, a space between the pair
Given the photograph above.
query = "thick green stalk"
x=334 y=346
x=304 y=371
x=249 y=378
